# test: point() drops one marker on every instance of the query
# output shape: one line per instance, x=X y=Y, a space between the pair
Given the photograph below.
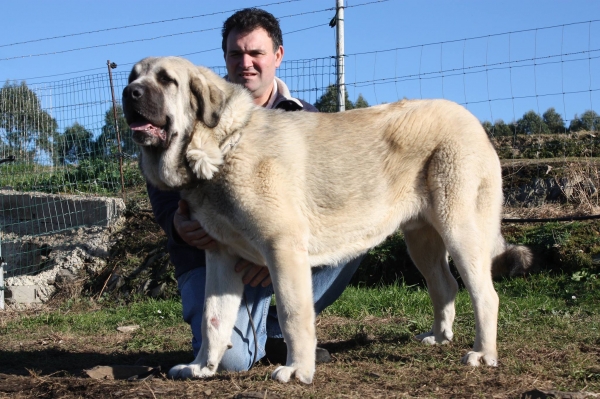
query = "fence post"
x=341 y=81
x=112 y=66
x=1 y=281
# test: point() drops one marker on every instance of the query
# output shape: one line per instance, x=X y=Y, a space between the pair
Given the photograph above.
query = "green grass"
x=81 y=318
x=97 y=176
x=548 y=331
x=543 y=293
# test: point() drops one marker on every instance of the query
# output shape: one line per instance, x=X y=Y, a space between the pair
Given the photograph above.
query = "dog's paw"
x=475 y=359
x=203 y=164
x=284 y=373
x=190 y=372
x=429 y=338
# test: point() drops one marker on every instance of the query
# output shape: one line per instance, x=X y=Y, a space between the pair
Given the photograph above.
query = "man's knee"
x=238 y=358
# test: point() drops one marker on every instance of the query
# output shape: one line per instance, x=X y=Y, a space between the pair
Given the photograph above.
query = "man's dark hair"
x=248 y=19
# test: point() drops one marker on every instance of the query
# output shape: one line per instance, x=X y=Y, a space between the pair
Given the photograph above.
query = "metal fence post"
x=341 y=81
x=112 y=66
x=1 y=281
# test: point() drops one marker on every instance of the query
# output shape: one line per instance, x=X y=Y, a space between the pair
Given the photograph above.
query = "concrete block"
x=29 y=293
x=41 y=213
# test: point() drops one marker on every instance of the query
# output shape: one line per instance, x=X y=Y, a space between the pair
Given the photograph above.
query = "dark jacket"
x=165 y=203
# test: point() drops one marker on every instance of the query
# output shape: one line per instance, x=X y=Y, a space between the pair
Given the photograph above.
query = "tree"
x=531 y=123
x=361 y=102
x=503 y=129
x=554 y=121
x=498 y=128
x=106 y=143
x=328 y=101
x=24 y=125
x=589 y=121
x=73 y=145
x=488 y=127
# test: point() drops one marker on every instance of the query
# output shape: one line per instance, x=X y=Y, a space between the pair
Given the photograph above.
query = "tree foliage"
x=589 y=120
x=532 y=123
x=554 y=121
x=24 y=126
x=106 y=143
x=498 y=128
x=550 y=122
x=361 y=102
x=328 y=101
x=74 y=145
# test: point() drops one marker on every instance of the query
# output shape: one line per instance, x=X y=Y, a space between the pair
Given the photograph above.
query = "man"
x=253 y=50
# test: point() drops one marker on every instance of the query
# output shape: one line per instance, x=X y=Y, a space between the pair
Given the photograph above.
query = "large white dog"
x=291 y=190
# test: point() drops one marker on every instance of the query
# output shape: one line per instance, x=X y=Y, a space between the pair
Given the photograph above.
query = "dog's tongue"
x=149 y=128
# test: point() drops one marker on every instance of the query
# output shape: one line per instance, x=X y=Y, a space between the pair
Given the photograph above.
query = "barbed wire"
x=488 y=67
x=480 y=68
x=180 y=55
x=138 y=25
x=472 y=38
x=176 y=34
x=108 y=44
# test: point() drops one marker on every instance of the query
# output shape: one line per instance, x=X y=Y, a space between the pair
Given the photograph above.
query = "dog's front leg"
x=224 y=289
x=291 y=276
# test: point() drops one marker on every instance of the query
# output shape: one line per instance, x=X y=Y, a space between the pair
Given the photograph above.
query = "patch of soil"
x=138 y=263
x=375 y=365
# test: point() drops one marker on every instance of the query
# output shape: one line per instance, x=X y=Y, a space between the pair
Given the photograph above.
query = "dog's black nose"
x=134 y=91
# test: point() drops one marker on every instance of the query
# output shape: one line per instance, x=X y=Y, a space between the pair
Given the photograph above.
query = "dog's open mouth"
x=149 y=129
x=147 y=133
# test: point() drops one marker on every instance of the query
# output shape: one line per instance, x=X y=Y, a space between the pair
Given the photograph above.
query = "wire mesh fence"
x=60 y=155
x=536 y=92
x=59 y=141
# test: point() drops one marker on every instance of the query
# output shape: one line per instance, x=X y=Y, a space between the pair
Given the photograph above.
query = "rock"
x=128 y=329
x=144 y=287
x=158 y=291
x=116 y=372
x=65 y=276
x=115 y=283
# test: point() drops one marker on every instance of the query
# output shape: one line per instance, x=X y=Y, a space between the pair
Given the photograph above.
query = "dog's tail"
x=512 y=260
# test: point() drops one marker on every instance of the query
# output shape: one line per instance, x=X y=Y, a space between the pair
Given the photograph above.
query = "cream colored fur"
x=291 y=190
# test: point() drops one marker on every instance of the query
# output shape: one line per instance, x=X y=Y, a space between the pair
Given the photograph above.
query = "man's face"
x=251 y=62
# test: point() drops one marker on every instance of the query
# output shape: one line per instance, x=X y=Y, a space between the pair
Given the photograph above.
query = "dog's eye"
x=165 y=79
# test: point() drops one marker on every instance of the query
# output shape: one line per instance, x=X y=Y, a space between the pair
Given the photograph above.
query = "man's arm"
x=187 y=238
x=164 y=205
x=172 y=214
x=183 y=256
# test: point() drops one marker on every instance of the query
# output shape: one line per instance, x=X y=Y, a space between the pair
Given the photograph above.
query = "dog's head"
x=163 y=102
x=164 y=98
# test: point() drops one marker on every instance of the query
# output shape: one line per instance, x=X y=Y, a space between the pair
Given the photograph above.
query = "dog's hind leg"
x=428 y=252
x=469 y=244
x=224 y=290
x=466 y=200
x=291 y=276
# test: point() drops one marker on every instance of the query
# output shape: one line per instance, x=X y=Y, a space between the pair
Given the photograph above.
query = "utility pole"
x=340 y=55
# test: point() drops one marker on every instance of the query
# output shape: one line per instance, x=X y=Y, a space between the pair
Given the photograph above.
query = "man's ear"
x=208 y=99
x=279 y=56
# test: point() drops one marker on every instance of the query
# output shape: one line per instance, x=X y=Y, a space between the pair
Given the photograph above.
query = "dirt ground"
x=379 y=362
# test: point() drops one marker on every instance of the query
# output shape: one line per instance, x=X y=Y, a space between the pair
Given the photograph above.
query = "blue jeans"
x=328 y=284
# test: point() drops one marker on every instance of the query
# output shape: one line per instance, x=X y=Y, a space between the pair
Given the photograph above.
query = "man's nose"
x=247 y=61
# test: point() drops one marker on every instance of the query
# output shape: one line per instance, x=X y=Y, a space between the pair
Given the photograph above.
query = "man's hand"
x=254 y=275
x=190 y=231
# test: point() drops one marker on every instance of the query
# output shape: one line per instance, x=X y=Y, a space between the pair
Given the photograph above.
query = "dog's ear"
x=208 y=99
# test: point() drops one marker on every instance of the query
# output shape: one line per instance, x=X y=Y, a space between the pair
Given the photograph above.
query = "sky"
x=395 y=48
